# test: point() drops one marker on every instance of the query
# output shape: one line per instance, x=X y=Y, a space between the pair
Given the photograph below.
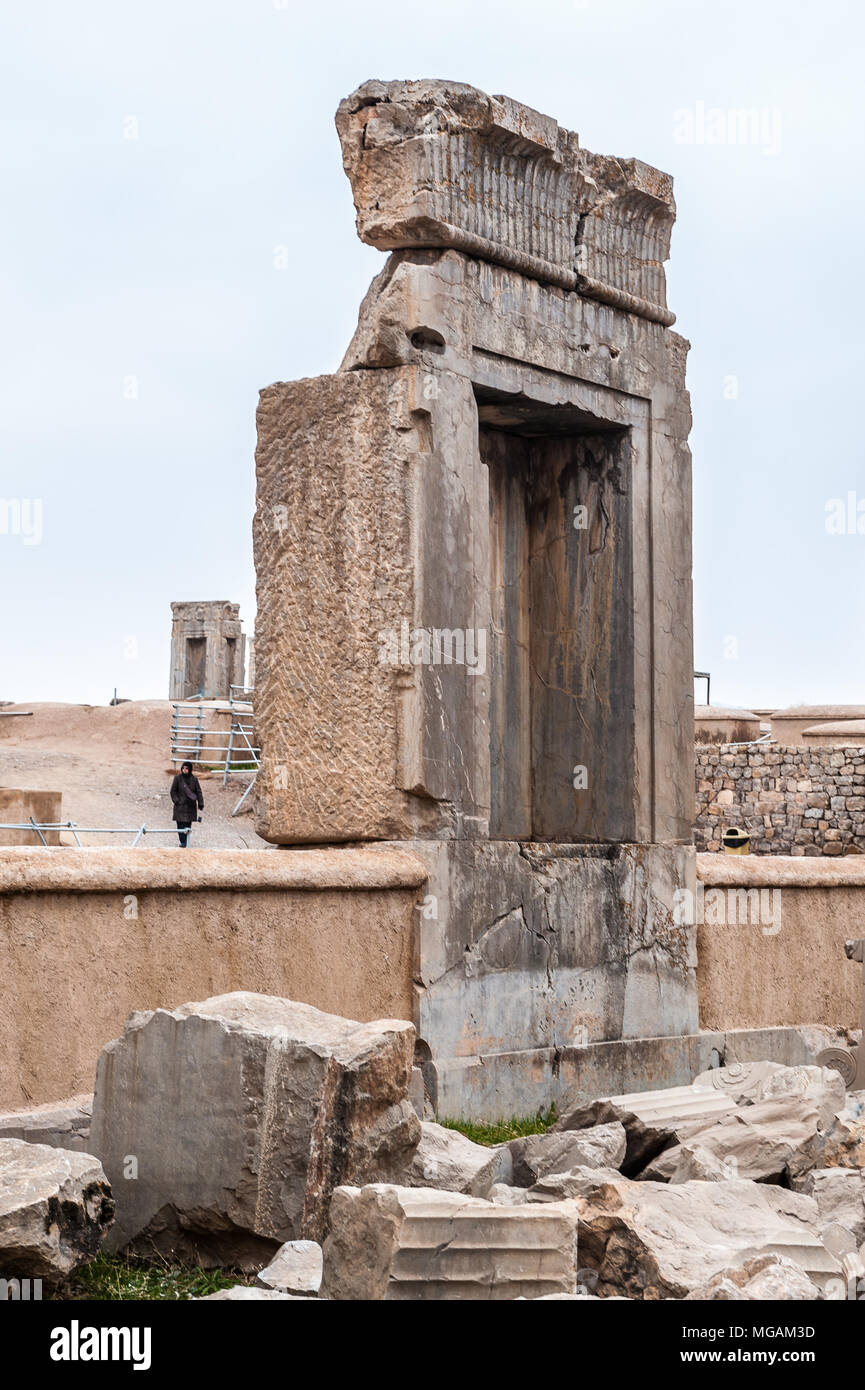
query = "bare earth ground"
x=113 y=767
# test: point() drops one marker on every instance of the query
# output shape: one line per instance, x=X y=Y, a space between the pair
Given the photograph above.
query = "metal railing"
x=41 y=828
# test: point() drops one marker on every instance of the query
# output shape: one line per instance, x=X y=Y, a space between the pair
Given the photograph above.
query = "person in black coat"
x=187 y=801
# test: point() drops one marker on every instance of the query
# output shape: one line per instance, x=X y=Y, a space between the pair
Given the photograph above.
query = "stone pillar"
x=207 y=650
x=473 y=558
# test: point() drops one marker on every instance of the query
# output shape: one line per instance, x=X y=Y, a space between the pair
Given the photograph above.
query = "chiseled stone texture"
x=55 y=1209
x=243 y=1113
x=536 y=1156
x=389 y=1242
x=435 y=163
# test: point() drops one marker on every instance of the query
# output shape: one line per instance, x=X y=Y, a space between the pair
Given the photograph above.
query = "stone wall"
x=87 y=936
x=791 y=799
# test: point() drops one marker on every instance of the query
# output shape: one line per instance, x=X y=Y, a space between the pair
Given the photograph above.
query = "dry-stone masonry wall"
x=790 y=799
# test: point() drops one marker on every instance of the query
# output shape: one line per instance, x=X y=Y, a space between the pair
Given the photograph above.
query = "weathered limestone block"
x=446 y=1159
x=657 y=1122
x=242 y=1113
x=442 y=164
x=63 y=1124
x=652 y=1240
x=562 y=1187
x=840 y=1144
x=445 y=652
x=295 y=1268
x=653 y=1120
x=765 y=1277
x=383 y=733
x=552 y=945
x=55 y=1209
x=840 y=1197
x=390 y=1242
x=541 y=1154
x=758 y=1142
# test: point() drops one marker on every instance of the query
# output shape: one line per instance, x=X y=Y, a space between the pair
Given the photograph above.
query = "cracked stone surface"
x=242 y=1114
x=55 y=1209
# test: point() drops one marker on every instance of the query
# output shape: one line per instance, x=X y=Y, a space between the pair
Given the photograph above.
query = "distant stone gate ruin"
x=473 y=556
x=207 y=650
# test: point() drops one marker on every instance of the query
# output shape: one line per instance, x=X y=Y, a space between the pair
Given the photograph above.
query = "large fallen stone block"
x=55 y=1208
x=226 y=1125
x=295 y=1268
x=446 y=1159
x=652 y=1240
x=390 y=1242
x=62 y=1124
x=765 y=1277
x=602 y=1146
x=753 y=1141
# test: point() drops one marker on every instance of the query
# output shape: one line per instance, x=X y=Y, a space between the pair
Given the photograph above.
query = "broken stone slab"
x=295 y=1268
x=756 y=1141
x=62 y=1124
x=504 y=1194
x=658 y=1120
x=840 y=1197
x=652 y=1240
x=446 y=1159
x=563 y=1187
x=749 y=1083
x=839 y=1144
x=650 y=1127
x=227 y=1124
x=602 y=1146
x=55 y=1208
x=764 y=1277
x=389 y=1242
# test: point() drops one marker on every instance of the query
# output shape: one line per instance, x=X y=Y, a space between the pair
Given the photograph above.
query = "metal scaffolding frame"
x=189 y=735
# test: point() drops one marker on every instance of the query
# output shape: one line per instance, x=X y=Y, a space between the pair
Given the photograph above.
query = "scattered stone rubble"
x=55 y=1209
x=267 y=1136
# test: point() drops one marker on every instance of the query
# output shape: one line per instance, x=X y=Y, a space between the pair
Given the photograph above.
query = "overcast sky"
x=160 y=161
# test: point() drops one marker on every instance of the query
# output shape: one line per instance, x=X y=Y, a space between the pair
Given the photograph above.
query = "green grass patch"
x=503 y=1130
x=117 y=1277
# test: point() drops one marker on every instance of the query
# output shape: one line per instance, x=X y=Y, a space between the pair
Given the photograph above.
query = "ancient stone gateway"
x=207 y=650
x=473 y=553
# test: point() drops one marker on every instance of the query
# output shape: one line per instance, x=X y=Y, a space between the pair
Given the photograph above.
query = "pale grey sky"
x=154 y=156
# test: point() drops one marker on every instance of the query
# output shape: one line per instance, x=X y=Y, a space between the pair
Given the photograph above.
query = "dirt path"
x=112 y=766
